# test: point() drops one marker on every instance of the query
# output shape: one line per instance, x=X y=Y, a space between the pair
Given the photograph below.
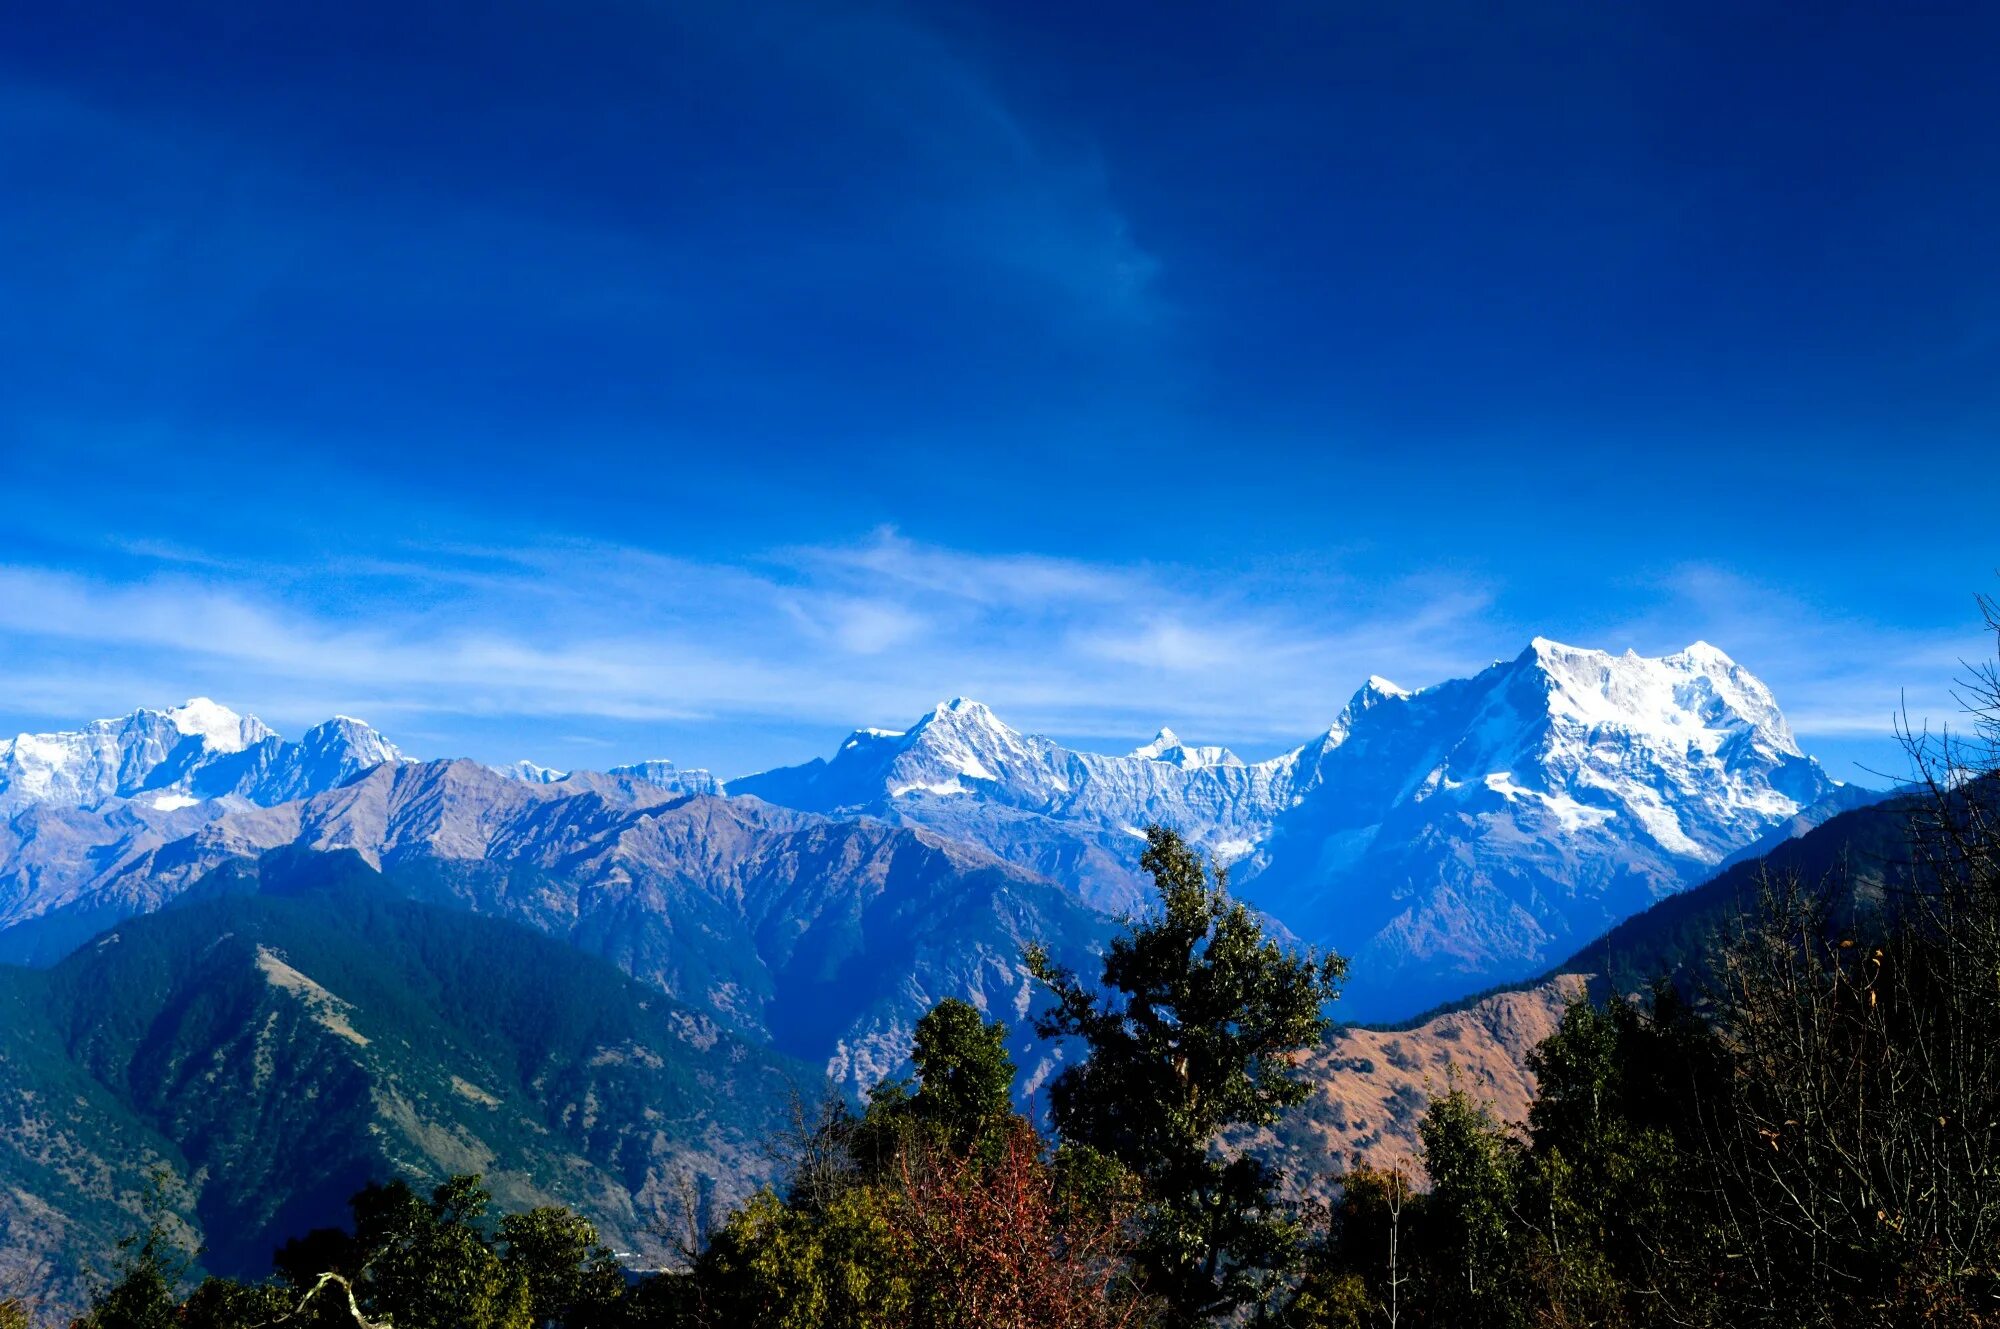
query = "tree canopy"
x=1190 y=1032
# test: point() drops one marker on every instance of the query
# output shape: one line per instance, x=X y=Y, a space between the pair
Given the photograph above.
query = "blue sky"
x=595 y=382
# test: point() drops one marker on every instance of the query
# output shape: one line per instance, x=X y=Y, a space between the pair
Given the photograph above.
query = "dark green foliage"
x=430 y=1264
x=223 y=1303
x=1469 y=1213
x=572 y=1278
x=1601 y=1213
x=936 y=1208
x=965 y=1083
x=1195 y=1041
x=410 y=1262
x=145 y=1289
x=295 y=1044
x=1360 y=1270
x=1808 y=1145
x=966 y=1075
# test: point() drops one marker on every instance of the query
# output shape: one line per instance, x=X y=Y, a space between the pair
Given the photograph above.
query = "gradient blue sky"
x=590 y=382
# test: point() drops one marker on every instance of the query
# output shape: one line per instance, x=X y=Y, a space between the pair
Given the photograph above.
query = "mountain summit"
x=174 y=758
x=1449 y=837
x=1446 y=838
x=1167 y=746
x=1075 y=816
x=1463 y=834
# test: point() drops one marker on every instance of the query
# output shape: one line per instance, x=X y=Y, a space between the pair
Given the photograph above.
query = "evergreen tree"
x=223 y=1303
x=1196 y=1041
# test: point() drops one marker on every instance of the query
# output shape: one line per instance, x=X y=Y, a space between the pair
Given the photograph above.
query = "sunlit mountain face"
x=1444 y=839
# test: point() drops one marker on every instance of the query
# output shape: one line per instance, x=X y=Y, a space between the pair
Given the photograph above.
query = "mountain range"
x=1445 y=839
x=221 y=924
x=295 y=1028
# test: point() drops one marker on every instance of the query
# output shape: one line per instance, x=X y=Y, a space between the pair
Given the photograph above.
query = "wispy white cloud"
x=869 y=632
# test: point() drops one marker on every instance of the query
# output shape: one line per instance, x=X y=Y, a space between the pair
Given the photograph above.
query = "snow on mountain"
x=658 y=773
x=1167 y=746
x=173 y=759
x=1075 y=816
x=219 y=728
x=1464 y=834
x=828 y=937
x=1449 y=837
x=663 y=774
x=528 y=772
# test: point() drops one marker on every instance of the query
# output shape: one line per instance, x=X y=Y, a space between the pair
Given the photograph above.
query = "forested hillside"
x=304 y=1031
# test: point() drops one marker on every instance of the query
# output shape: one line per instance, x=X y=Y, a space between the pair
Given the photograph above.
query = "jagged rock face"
x=169 y=760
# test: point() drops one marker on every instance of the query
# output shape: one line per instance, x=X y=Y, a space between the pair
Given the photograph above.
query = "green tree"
x=777 y=1266
x=1619 y=1204
x=144 y=1293
x=966 y=1078
x=223 y=1303
x=963 y=1091
x=1361 y=1271
x=429 y=1264
x=572 y=1278
x=1197 y=1040
x=1471 y=1162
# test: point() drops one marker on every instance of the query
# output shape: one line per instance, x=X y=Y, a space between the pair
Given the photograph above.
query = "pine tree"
x=1196 y=1040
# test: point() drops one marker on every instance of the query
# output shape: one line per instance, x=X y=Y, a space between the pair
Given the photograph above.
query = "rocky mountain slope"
x=1371 y=1087
x=1446 y=839
x=1078 y=817
x=828 y=938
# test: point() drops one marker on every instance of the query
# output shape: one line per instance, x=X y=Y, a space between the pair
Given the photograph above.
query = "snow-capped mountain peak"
x=962 y=714
x=1376 y=691
x=663 y=774
x=219 y=728
x=1697 y=699
x=169 y=760
x=528 y=772
x=1166 y=746
x=1379 y=686
x=360 y=741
